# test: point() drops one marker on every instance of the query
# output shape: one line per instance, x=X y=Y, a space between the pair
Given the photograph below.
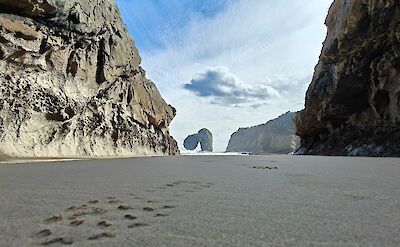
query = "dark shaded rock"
x=191 y=142
x=71 y=84
x=353 y=103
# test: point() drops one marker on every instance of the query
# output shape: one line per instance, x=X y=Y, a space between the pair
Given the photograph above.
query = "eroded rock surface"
x=191 y=142
x=353 y=103
x=276 y=136
x=204 y=137
x=71 y=84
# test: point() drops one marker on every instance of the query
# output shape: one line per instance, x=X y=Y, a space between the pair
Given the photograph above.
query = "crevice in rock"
x=69 y=111
x=3 y=40
x=25 y=36
x=65 y=127
x=73 y=17
x=101 y=60
x=16 y=54
x=49 y=63
x=114 y=136
x=2 y=54
x=56 y=116
x=129 y=95
x=44 y=47
x=111 y=43
x=72 y=65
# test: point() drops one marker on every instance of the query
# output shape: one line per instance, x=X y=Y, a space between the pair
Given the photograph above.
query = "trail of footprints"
x=99 y=216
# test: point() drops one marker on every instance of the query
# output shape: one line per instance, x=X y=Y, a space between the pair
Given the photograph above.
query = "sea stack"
x=353 y=103
x=71 y=84
x=204 y=137
x=275 y=136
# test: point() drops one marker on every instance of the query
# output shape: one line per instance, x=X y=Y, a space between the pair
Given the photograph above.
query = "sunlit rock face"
x=353 y=103
x=71 y=84
x=276 y=136
x=204 y=137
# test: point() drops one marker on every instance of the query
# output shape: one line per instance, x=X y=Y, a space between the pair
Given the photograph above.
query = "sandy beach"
x=202 y=201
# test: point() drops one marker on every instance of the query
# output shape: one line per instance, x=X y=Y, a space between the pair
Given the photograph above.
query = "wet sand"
x=202 y=201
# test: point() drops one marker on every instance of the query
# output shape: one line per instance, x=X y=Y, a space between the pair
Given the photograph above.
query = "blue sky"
x=226 y=64
x=154 y=21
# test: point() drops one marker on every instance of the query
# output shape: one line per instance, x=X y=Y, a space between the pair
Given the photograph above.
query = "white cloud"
x=268 y=48
x=222 y=87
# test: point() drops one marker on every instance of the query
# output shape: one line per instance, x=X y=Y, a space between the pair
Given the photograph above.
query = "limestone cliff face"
x=71 y=84
x=276 y=136
x=353 y=103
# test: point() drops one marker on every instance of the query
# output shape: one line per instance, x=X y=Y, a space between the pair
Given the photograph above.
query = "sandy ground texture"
x=202 y=201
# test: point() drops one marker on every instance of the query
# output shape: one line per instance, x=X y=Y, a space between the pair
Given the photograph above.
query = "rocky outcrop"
x=204 y=137
x=71 y=84
x=276 y=136
x=353 y=103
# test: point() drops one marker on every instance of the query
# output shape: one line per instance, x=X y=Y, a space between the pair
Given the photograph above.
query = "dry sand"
x=202 y=201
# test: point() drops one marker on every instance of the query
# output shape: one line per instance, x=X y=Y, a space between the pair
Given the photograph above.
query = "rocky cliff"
x=276 y=136
x=71 y=84
x=353 y=103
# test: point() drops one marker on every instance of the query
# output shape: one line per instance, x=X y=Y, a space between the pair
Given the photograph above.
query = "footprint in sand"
x=93 y=201
x=98 y=211
x=265 y=167
x=72 y=208
x=44 y=233
x=124 y=207
x=161 y=215
x=140 y=224
x=75 y=208
x=104 y=223
x=91 y=211
x=59 y=240
x=102 y=235
x=130 y=217
x=148 y=209
x=114 y=201
x=77 y=222
x=54 y=219
x=75 y=216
